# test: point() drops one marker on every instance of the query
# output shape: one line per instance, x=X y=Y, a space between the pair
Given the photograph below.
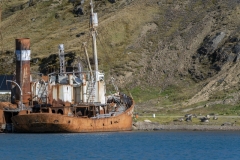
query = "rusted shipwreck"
x=65 y=101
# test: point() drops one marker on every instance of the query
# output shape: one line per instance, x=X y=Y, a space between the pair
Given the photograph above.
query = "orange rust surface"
x=50 y=94
x=23 y=73
x=46 y=122
x=22 y=44
x=45 y=78
x=3 y=105
x=1 y=116
x=26 y=89
x=7 y=104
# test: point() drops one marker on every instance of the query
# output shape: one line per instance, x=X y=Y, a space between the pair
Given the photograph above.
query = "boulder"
x=217 y=40
x=227 y=124
x=78 y=10
x=146 y=120
x=205 y=119
x=236 y=49
x=215 y=118
x=211 y=44
x=112 y=1
x=237 y=58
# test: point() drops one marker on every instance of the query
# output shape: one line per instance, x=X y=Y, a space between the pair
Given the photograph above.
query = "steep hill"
x=173 y=56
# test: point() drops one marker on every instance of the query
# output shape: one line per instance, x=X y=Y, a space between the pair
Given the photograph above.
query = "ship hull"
x=57 y=123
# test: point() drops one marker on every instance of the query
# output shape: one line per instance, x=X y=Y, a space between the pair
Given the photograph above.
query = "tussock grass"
x=123 y=40
x=166 y=120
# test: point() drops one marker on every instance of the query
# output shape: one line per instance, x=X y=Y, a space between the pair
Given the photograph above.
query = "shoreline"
x=153 y=126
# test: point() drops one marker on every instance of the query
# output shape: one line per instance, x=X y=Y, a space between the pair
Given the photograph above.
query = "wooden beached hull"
x=57 y=123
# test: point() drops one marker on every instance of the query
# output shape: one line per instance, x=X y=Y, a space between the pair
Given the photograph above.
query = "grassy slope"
x=146 y=46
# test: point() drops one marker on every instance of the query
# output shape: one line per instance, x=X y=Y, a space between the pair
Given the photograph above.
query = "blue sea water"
x=122 y=145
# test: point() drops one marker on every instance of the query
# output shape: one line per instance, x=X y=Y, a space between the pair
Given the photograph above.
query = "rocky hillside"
x=171 y=55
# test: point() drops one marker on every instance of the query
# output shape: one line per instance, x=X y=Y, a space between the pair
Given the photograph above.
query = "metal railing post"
x=19 y=89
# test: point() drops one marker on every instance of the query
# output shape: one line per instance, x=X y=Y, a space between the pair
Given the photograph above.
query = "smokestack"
x=23 y=53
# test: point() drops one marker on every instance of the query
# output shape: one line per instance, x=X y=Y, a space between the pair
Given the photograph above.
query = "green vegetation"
x=195 y=121
x=146 y=45
x=142 y=95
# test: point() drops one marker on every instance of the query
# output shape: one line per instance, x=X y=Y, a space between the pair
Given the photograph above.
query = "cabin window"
x=53 y=111
x=60 y=111
x=44 y=110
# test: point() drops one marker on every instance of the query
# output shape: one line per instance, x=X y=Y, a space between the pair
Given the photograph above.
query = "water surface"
x=122 y=145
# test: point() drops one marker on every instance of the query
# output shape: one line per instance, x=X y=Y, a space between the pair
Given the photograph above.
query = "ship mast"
x=98 y=84
x=61 y=59
x=93 y=26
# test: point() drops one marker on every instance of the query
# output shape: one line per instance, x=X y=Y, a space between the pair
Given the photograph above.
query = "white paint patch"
x=23 y=55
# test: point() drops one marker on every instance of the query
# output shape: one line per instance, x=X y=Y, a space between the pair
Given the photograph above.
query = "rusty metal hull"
x=57 y=123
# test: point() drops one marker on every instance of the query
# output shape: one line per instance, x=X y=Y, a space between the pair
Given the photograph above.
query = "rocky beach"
x=154 y=126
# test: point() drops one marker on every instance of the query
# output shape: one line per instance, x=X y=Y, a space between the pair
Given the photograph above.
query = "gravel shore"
x=148 y=126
